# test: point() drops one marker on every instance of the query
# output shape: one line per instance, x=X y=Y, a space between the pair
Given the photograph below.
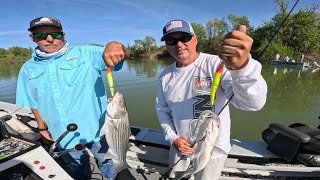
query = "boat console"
x=25 y=159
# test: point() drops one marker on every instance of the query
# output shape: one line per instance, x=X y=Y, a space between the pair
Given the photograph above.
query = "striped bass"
x=205 y=140
x=117 y=131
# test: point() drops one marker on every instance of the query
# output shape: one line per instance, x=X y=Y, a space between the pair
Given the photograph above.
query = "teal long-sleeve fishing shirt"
x=67 y=89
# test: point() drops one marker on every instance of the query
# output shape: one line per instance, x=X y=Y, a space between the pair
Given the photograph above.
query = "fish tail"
x=118 y=164
x=110 y=155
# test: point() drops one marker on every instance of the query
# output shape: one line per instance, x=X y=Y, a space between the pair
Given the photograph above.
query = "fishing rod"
x=277 y=31
x=216 y=82
x=285 y=19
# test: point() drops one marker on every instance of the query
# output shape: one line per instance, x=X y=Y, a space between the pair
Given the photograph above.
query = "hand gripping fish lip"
x=194 y=126
x=205 y=141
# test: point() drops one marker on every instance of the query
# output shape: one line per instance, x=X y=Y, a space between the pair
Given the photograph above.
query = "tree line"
x=299 y=34
x=15 y=54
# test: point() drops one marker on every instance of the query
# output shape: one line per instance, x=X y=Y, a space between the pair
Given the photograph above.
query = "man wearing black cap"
x=62 y=84
x=185 y=87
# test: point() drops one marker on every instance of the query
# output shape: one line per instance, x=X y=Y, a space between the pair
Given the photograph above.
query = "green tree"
x=304 y=31
x=275 y=47
x=236 y=21
x=2 y=53
x=15 y=54
x=200 y=31
x=144 y=47
x=137 y=48
x=300 y=33
x=217 y=28
x=149 y=43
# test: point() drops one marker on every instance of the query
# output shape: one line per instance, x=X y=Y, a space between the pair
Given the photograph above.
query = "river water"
x=293 y=96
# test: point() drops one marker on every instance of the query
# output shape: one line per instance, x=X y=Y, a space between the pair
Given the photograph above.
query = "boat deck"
x=148 y=154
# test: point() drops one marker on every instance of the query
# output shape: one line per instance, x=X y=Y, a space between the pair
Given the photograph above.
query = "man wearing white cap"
x=184 y=87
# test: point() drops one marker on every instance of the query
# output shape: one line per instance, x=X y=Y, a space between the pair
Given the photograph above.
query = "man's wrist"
x=43 y=129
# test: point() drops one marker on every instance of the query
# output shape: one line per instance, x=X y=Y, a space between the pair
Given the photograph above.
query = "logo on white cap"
x=173 y=24
x=43 y=20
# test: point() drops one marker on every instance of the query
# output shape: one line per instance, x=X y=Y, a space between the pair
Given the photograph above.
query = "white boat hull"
x=149 y=152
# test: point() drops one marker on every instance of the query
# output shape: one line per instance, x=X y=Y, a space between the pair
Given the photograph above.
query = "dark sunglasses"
x=44 y=35
x=183 y=39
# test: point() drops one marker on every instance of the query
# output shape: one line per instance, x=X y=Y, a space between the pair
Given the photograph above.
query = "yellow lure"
x=215 y=83
x=110 y=81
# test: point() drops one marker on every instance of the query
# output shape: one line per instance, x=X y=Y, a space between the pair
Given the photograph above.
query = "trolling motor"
x=70 y=128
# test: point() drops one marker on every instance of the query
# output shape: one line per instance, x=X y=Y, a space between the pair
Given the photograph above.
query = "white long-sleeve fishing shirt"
x=183 y=93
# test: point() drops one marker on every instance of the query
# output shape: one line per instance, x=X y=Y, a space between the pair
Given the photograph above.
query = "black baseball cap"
x=44 y=21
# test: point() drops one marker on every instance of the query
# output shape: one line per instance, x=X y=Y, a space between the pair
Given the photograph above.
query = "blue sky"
x=101 y=21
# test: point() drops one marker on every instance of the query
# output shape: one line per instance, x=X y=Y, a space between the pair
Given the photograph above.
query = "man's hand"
x=46 y=136
x=235 y=48
x=114 y=53
x=183 y=146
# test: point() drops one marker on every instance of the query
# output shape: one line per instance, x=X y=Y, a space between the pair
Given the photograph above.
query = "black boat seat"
x=297 y=141
x=314 y=144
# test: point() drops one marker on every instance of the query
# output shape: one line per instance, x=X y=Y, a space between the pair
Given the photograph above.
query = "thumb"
x=242 y=28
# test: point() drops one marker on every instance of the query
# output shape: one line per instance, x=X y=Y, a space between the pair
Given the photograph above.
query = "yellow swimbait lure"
x=110 y=81
x=215 y=83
